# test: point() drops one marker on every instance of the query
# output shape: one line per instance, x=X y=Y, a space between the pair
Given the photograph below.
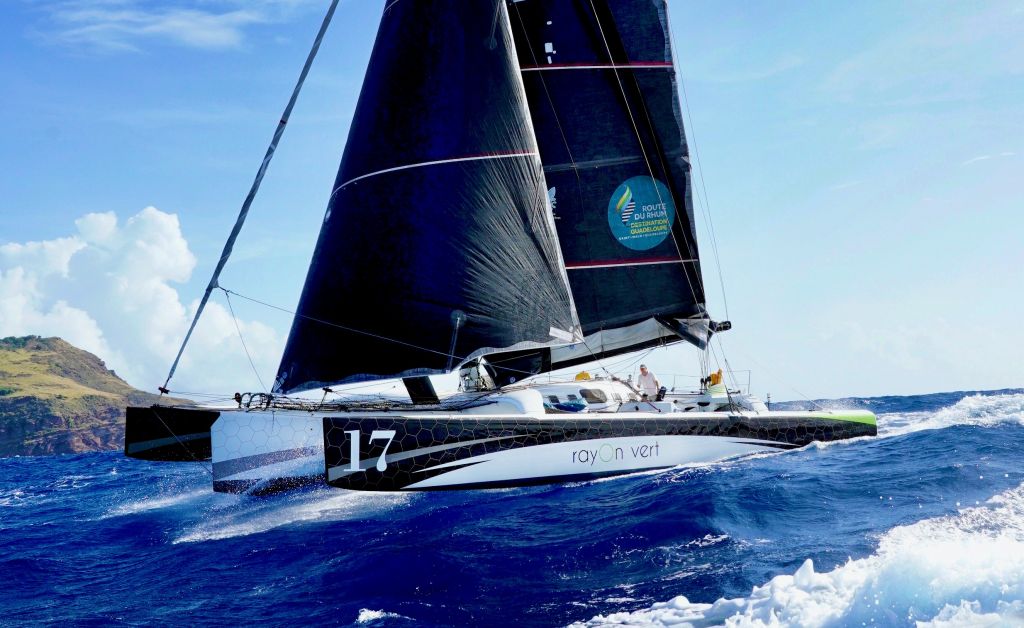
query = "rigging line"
x=278 y=132
x=604 y=368
x=199 y=394
x=565 y=142
x=238 y=328
x=352 y=329
x=631 y=359
x=783 y=383
x=618 y=364
x=639 y=359
x=343 y=327
x=728 y=367
x=547 y=94
x=706 y=207
x=636 y=131
x=185 y=447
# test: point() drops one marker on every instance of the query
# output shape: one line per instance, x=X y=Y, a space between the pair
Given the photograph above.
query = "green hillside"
x=56 y=398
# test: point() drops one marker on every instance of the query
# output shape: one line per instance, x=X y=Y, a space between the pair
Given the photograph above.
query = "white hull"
x=262 y=451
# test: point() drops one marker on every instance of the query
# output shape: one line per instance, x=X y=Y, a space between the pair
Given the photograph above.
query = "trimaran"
x=514 y=198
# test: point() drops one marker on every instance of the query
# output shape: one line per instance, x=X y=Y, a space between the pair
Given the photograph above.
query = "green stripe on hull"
x=865 y=417
x=850 y=416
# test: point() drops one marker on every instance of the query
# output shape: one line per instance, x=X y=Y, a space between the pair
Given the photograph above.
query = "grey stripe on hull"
x=135 y=448
x=235 y=466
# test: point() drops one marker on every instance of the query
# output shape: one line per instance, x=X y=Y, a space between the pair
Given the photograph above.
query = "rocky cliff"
x=56 y=398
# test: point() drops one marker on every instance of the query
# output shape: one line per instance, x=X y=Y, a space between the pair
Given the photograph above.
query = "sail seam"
x=618 y=263
x=641 y=65
x=435 y=163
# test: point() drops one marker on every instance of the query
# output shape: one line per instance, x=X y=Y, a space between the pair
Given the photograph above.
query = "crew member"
x=716 y=378
x=648 y=383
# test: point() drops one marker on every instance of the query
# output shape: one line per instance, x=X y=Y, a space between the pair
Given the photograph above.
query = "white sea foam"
x=367 y=616
x=980 y=410
x=155 y=503
x=961 y=570
x=13 y=497
x=624 y=476
x=73 y=482
x=708 y=540
x=235 y=515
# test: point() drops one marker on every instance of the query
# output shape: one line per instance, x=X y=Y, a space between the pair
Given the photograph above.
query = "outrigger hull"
x=389 y=453
x=168 y=433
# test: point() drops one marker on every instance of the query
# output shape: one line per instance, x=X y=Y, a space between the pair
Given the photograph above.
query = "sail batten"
x=437 y=162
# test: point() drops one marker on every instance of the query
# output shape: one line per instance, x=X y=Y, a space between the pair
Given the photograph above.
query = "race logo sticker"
x=641 y=213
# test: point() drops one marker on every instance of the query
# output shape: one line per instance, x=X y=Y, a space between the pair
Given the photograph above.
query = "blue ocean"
x=923 y=525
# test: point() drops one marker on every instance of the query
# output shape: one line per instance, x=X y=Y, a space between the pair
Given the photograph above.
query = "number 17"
x=375 y=435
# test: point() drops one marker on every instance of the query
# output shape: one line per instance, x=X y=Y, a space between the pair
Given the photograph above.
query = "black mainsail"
x=601 y=84
x=438 y=243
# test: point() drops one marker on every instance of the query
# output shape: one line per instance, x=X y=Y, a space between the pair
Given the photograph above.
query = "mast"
x=438 y=244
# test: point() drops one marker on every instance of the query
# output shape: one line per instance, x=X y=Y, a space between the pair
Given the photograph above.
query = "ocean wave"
x=959 y=570
x=978 y=410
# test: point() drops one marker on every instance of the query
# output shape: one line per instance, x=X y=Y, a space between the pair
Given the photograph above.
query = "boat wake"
x=157 y=503
x=961 y=570
x=233 y=515
x=978 y=410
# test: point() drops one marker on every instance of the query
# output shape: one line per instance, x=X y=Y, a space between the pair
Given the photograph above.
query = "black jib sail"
x=601 y=86
x=438 y=243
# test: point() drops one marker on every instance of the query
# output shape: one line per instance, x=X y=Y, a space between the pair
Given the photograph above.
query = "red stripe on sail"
x=626 y=262
x=586 y=64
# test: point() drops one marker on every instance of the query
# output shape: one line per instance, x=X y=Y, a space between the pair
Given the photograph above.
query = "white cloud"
x=844 y=186
x=951 y=52
x=48 y=257
x=751 y=69
x=976 y=159
x=987 y=157
x=108 y=289
x=123 y=25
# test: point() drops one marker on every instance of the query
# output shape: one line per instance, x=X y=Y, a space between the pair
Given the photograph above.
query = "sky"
x=862 y=165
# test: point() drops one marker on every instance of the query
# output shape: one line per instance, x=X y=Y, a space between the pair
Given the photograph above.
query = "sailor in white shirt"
x=648 y=383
